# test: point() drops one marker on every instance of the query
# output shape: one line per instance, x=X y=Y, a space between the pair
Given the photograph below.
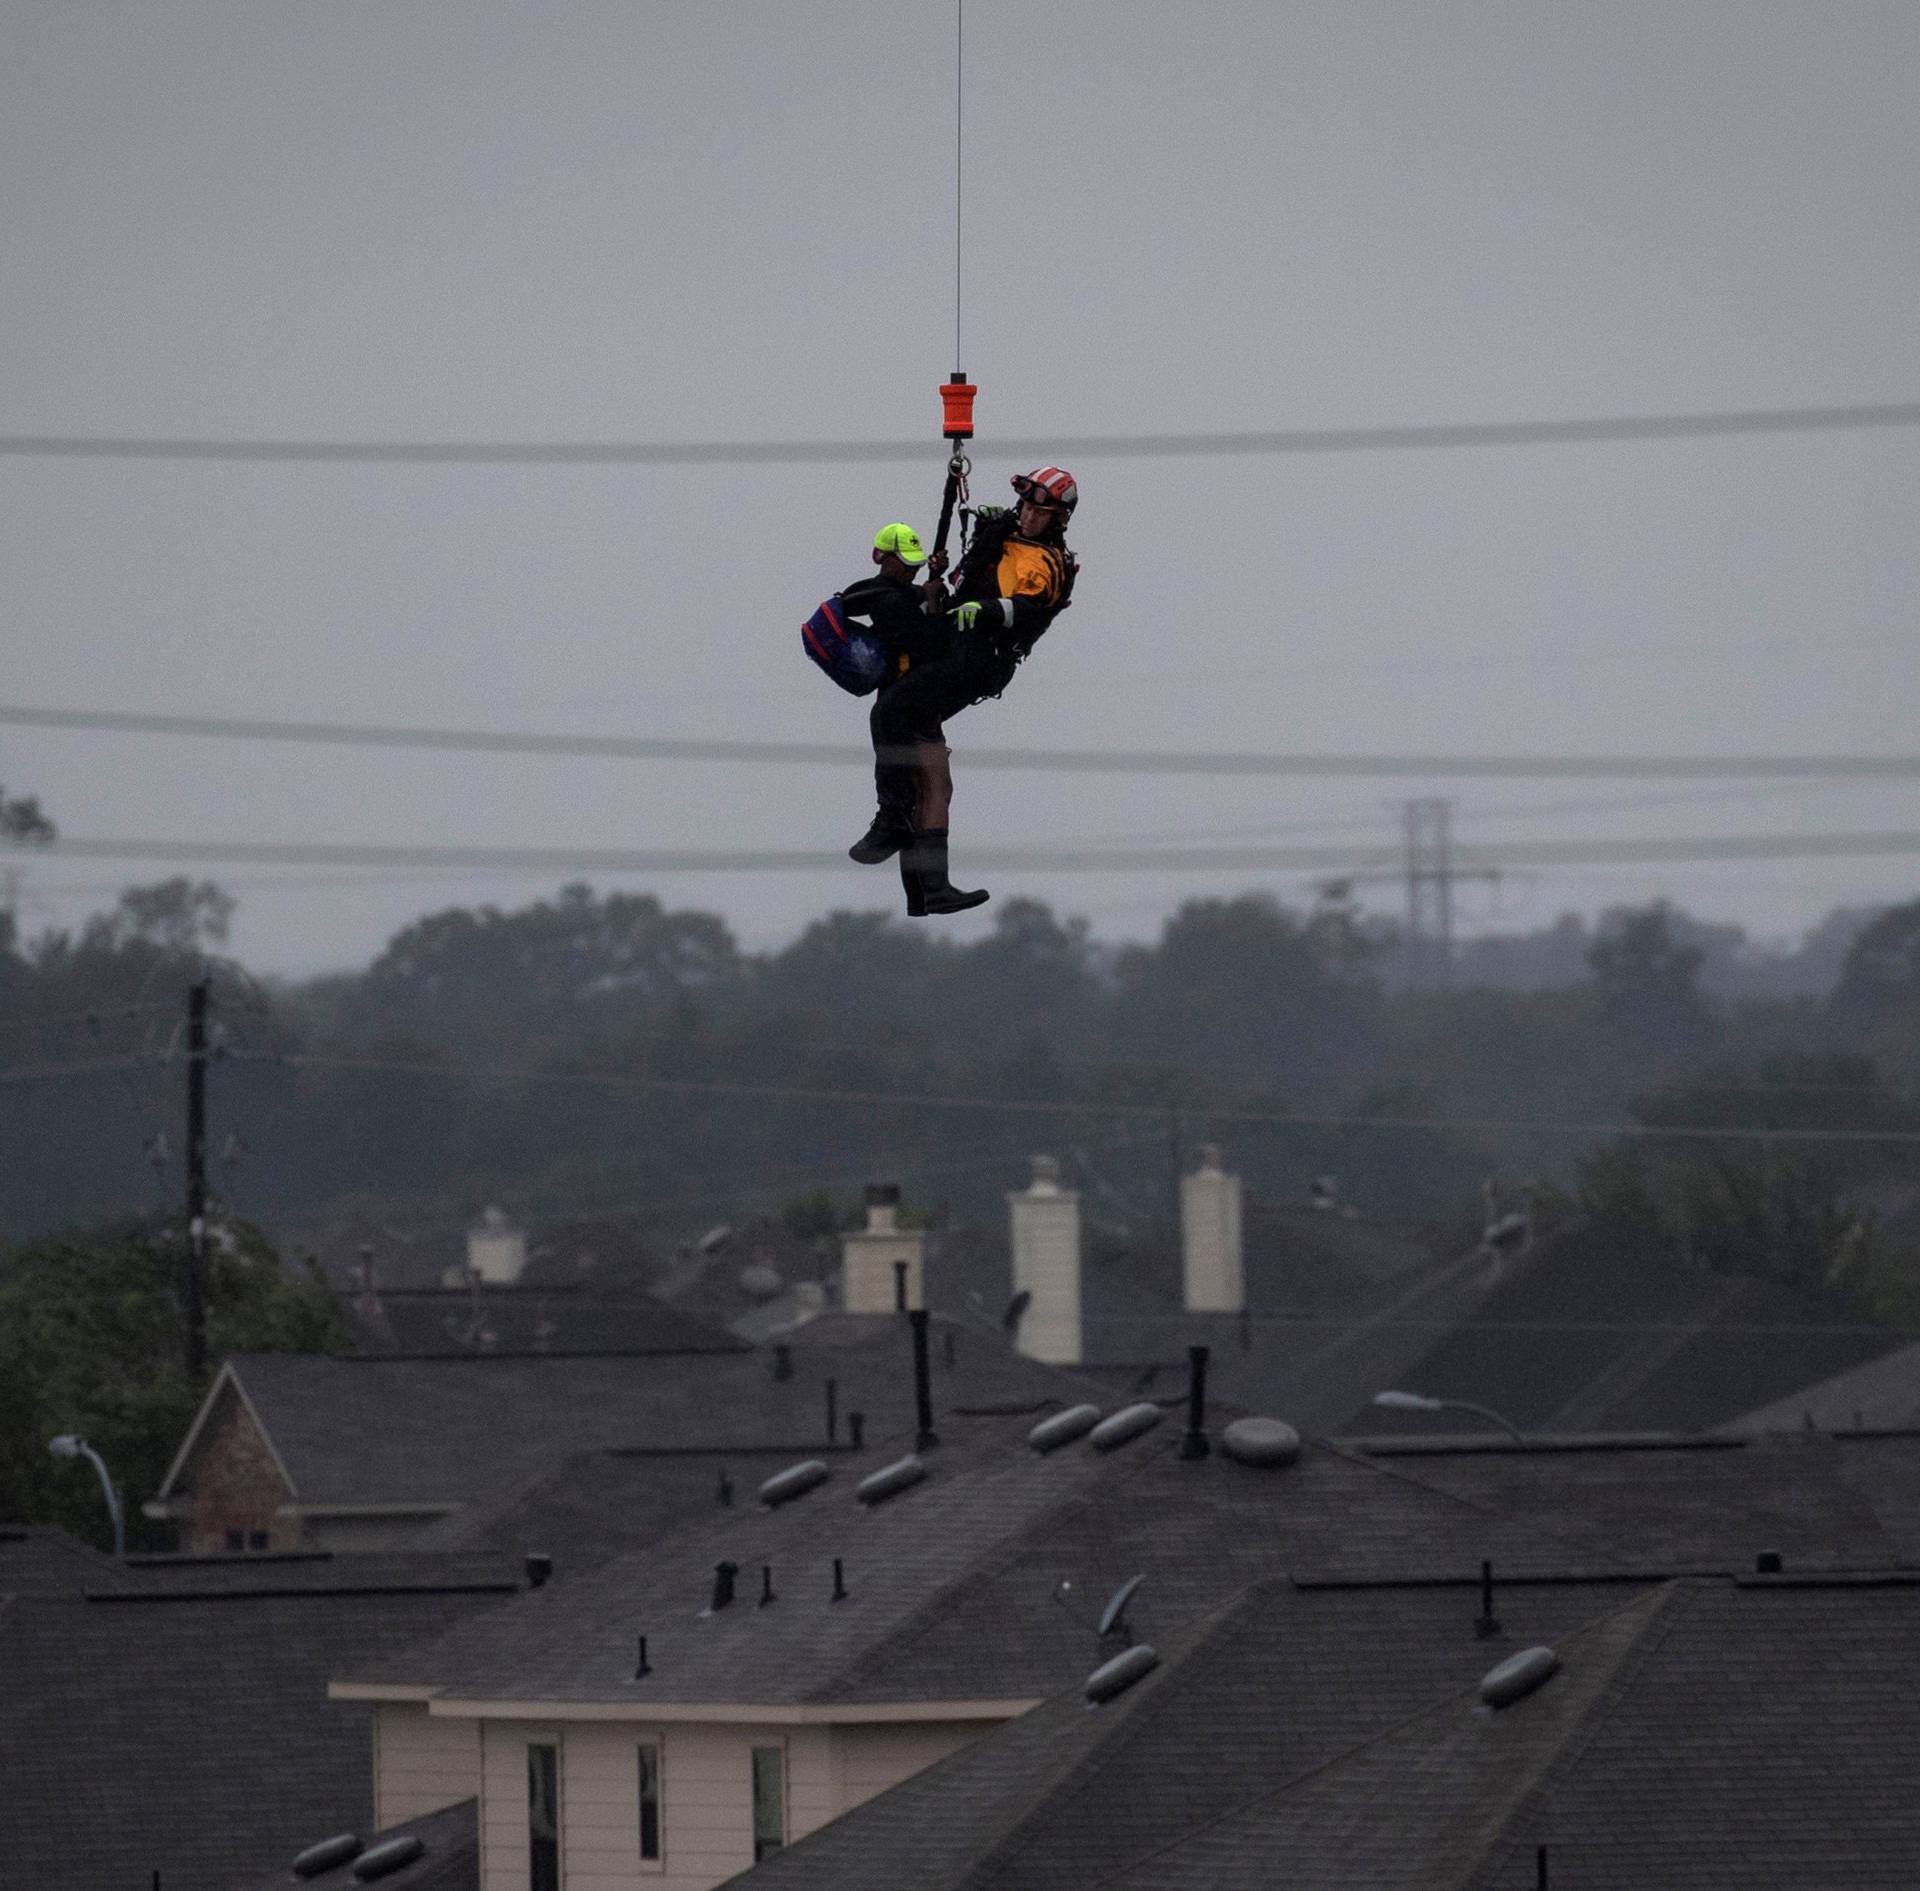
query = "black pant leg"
x=909 y=711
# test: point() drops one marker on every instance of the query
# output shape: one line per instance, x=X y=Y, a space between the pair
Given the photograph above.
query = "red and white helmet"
x=1051 y=485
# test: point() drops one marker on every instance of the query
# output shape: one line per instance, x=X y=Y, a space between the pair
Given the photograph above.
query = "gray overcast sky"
x=734 y=222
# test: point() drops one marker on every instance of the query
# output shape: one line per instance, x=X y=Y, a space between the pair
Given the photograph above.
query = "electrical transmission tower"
x=1427 y=829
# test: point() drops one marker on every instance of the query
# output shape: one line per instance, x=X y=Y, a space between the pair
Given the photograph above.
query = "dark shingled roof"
x=1577 y=1334
x=36 y=1560
x=481 y=1432
x=190 y=1732
x=1581 y=1334
x=423 y=1321
x=1700 y=1735
x=951 y=1583
x=1821 y=1502
x=449 y=1859
x=1883 y=1392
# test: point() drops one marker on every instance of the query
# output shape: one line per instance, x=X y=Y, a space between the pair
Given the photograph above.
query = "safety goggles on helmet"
x=1048 y=486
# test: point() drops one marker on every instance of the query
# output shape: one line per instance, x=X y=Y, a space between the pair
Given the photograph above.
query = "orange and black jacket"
x=1031 y=581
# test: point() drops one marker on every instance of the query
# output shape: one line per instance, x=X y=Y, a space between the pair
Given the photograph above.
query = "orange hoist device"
x=956 y=400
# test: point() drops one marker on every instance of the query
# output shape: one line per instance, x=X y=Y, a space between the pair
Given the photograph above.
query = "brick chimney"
x=871 y=1255
x=1213 y=1265
x=1046 y=1264
x=496 y=1250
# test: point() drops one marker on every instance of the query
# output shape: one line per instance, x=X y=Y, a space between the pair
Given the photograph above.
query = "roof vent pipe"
x=766 y=1584
x=1063 y=1427
x=726 y=1491
x=1120 y=1427
x=1486 y=1624
x=856 y=1431
x=723 y=1575
x=383 y=1860
x=1114 y=1677
x=324 y=1856
x=783 y=1361
x=539 y=1568
x=890 y=1481
x=1194 y=1445
x=833 y=1411
x=839 y=1581
x=1540 y=1868
x=1517 y=1676
x=641 y=1667
x=922 y=1382
x=784 y=1486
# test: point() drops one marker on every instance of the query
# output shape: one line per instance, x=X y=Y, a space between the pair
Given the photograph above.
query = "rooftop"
x=195 y=1699
x=1699 y=1734
x=950 y=1585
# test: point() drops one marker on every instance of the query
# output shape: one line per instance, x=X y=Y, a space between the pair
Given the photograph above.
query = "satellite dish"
x=1113 y=1619
x=1016 y=1312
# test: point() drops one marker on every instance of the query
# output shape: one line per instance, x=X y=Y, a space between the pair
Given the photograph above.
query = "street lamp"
x=71 y=1445
x=1418 y=1402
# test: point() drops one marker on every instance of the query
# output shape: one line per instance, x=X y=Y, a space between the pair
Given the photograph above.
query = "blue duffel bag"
x=849 y=653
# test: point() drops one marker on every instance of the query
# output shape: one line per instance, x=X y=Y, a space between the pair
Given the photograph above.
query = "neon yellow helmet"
x=903 y=542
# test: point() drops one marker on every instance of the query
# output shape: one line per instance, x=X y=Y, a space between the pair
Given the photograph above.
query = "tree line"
x=597 y=1049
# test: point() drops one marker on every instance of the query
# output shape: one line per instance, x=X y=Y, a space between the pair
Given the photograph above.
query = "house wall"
x=421 y=1764
x=232 y=1483
x=706 y=1776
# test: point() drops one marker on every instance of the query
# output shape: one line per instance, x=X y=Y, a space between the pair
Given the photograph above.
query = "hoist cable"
x=959 y=128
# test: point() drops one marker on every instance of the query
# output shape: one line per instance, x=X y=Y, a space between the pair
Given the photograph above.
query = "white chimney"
x=1213 y=1261
x=1046 y=1264
x=872 y=1257
x=496 y=1250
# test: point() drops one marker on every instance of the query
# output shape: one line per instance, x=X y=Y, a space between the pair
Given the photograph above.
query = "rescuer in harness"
x=1014 y=578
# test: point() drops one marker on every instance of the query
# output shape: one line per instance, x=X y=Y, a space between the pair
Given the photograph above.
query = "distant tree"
x=22 y=822
x=1791 y=1211
x=178 y=916
x=1645 y=982
x=1876 y=1001
x=91 y=1341
x=560 y=968
x=1234 y=991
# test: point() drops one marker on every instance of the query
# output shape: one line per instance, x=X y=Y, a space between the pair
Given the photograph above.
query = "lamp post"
x=71 y=1445
x=1418 y=1402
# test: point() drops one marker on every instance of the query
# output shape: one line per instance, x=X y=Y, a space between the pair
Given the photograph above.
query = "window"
x=650 y=1802
x=543 y=1818
x=256 y=1539
x=236 y=1540
x=769 y=1801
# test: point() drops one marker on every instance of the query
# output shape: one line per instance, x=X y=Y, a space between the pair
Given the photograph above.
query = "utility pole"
x=1427 y=825
x=196 y=1179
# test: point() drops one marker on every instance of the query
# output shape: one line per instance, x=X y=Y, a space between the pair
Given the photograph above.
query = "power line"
x=1091 y=446
x=1348 y=860
x=1046 y=1106
x=1073 y=761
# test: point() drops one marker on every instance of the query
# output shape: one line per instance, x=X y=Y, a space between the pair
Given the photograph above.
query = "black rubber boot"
x=910 y=884
x=889 y=833
x=927 y=859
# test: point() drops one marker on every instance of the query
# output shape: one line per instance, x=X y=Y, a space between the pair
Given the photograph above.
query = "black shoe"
x=927 y=860
x=889 y=833
x=910 y=884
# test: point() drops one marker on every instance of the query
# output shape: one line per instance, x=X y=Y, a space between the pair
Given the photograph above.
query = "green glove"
x=966 y=616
